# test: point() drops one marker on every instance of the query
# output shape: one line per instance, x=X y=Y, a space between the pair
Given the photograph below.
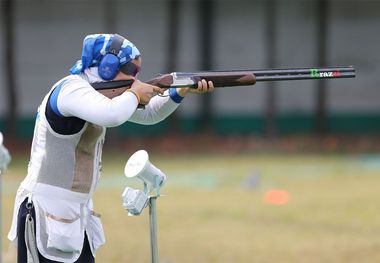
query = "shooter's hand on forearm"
x=203 y=87
x=144 y=92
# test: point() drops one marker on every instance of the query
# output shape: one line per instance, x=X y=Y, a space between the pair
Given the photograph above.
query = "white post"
x=153 y=228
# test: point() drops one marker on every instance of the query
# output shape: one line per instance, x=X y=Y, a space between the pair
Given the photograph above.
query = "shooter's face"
x=123 y=76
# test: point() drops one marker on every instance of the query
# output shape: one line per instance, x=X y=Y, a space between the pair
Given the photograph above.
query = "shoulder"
x=71 y=85
x=61 y=94
x=66 y=89
x=72 y=82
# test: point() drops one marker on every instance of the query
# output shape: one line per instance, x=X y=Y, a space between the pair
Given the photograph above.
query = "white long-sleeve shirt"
x=77 y=98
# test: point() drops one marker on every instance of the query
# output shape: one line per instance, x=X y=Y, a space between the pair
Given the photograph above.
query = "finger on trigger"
x=158 y=90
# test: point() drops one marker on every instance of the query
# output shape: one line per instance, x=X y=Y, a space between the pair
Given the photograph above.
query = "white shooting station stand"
x=135 y=201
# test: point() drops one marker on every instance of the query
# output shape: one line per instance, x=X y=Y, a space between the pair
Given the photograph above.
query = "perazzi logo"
x=329 y=74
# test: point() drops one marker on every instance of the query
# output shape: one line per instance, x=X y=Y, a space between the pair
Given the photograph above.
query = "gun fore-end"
x=228 y=79
x=219 y=79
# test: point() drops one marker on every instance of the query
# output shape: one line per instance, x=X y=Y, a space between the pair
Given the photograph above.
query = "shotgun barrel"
x=231 y=78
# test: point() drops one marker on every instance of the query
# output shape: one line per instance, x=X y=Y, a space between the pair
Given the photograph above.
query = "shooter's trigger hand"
x=144 y=91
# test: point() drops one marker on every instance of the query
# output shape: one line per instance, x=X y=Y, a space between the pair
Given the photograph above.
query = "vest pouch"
x=96 y=232
x=64 y=234
x=60 y=226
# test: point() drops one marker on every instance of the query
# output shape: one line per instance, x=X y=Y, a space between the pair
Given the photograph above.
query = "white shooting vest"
x=62 y=175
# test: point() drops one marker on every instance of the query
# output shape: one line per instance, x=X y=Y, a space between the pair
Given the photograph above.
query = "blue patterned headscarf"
x=96 y=46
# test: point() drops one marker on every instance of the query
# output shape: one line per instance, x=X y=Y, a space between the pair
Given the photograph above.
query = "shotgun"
x=230 y=78
x=248 y=77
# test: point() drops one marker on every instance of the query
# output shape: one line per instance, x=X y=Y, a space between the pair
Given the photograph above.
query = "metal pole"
x=7 y=13
x=206 y=45
x=271 y=39
x=173 y=20
x=153 y=228
x=322 y=92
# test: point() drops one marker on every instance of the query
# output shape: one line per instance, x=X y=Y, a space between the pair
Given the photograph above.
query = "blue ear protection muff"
x=110 y=64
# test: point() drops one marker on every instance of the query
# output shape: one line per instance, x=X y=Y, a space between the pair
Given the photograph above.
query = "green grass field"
x=211 y=213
